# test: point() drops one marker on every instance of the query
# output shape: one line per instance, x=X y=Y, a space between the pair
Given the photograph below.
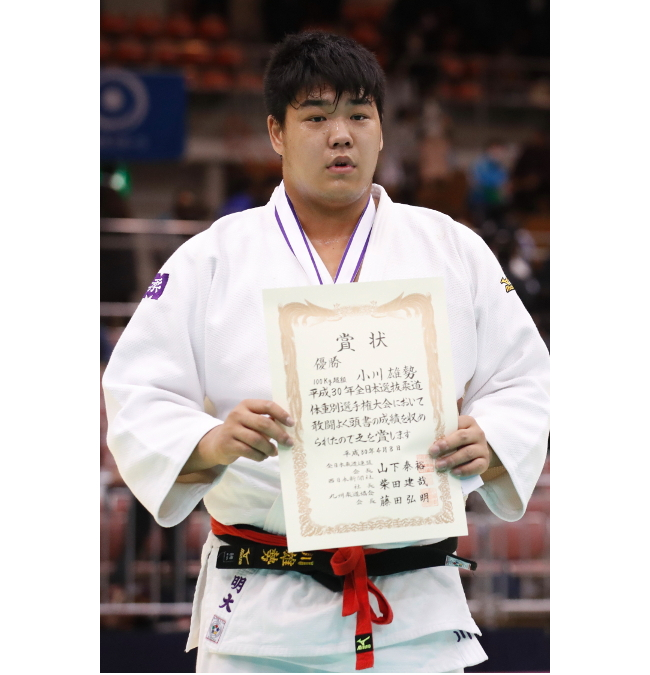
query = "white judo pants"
x=226 y=663
x=415 y=656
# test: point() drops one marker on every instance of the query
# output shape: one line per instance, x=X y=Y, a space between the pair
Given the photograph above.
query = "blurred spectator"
x=240 y=201
x=398 y=168
x=505 y=245
x=105 y=346
x=434 y=157
x=489 y=178
x=248 y=187
x=531 y=174
x=188 y=206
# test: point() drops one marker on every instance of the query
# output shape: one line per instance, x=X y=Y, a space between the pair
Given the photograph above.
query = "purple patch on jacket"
x=156 y=287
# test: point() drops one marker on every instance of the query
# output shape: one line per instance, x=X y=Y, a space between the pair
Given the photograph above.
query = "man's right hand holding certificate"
x=465 y=452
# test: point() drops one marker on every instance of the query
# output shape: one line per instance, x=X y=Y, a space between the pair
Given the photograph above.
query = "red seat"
x=105 y=49
x=539 y=503
x=366 y=34
x=247 y=81
x=179 y=26
x=165 y=52
x=212 y=27
x=114 y=24
x=527 y=538
x=229 y=56
x=148 y=25
x=366 y=12
x=216 y=80
x=130 y=51
x=196 y=52
x=468 y=547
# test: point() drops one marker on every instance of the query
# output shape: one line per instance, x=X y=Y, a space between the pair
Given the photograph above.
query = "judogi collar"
x=289 y=223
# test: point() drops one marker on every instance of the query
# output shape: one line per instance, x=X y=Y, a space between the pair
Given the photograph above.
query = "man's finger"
x=462 y=456
x=266 y=426
x=269 y=408
x=465 y=421
x=256 y=441
x=456 y=439
x=242 y=449
x=473 y=468
x=253 y=454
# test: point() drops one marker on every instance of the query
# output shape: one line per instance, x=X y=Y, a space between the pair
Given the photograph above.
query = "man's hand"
x=465 y=452
x=246 y=432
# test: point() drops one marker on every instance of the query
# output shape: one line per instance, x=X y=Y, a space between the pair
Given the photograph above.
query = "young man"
x=188 y=387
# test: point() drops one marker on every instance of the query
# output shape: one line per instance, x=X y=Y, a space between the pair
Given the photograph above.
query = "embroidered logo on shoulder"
x=157 y=286
x=460 y=634
x=216 y=629
x=509 y=286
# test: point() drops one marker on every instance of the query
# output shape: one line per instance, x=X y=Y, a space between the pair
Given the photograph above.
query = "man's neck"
x=328 y=226
x=327 y=221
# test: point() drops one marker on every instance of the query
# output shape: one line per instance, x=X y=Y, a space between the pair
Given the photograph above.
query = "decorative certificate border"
x=297 y=313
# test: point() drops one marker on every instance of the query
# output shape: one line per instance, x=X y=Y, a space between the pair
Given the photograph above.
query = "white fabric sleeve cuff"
x=501 y=494
x=181 y=498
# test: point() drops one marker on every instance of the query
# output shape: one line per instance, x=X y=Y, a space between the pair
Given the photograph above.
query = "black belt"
x=243 y=553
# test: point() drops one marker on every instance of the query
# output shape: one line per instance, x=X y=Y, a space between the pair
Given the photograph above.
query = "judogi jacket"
x=195 y=349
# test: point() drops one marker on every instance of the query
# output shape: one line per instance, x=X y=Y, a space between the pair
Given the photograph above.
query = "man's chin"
x=341 y=191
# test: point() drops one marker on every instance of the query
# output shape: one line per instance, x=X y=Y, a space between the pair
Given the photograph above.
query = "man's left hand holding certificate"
x=365 y=370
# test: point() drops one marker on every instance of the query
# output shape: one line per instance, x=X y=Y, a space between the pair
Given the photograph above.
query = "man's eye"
x=317 y=118
x=359 y=116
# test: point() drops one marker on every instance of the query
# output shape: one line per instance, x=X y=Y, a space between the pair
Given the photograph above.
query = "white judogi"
x=200 y=344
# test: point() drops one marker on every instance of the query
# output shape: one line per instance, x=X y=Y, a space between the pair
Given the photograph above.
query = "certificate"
x=365 y=370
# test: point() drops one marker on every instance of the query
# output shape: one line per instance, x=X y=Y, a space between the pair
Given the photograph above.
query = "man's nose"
x=340 y=135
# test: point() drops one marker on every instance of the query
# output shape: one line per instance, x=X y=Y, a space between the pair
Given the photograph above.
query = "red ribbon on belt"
x=348 y=562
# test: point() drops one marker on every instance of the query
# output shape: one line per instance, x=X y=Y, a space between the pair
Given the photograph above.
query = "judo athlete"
x=188 y=392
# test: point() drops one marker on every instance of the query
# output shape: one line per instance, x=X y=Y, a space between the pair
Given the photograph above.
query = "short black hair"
x=307 y=61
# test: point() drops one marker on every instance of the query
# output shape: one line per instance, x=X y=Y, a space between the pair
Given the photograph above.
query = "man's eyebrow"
x=316 y=102
x=322 y=103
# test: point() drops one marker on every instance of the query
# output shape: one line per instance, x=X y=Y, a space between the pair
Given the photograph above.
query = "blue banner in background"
x=142 y=115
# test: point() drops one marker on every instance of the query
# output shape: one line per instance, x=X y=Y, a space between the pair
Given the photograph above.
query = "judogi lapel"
x=296 y=239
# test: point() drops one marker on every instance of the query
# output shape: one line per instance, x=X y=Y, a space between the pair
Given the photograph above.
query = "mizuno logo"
x=362 y=643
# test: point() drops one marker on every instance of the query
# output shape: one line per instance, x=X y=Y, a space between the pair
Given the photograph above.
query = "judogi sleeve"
x=154 y=385
x=508 y=394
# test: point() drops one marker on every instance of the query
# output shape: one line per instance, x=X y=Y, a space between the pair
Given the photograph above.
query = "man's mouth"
x=341 y=165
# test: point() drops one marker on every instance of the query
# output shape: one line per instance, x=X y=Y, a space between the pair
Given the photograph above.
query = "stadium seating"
x=468 y=547
x=114 y=24
x=195 y=52
x=148 y=25
x=130 y=51
x=524 y=539
x=179 y=26
x=212 y=27
x=229 y=56
x=165 y=52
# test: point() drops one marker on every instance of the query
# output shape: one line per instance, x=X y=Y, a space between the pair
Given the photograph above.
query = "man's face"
x=329 y=153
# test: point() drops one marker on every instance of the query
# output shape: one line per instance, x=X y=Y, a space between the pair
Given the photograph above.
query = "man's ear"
x=276 y=134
